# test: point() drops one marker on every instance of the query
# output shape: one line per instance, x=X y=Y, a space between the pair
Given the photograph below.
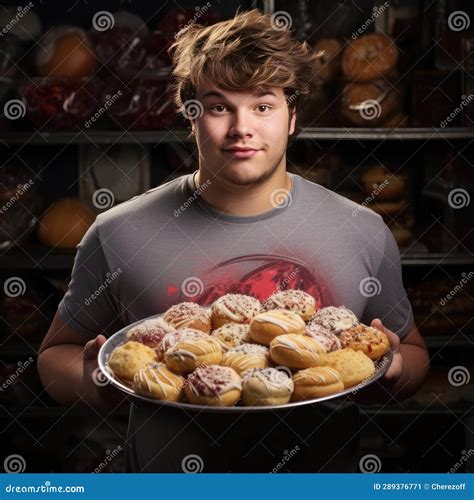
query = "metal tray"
x=381 y=366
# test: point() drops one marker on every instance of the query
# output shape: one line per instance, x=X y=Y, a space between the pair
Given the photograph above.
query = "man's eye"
x=260 y=106
x=220 y=106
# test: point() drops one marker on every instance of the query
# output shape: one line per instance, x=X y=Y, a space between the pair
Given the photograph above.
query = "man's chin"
x=245 y=176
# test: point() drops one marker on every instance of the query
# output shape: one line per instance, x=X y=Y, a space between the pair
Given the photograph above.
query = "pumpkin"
x=64 y=223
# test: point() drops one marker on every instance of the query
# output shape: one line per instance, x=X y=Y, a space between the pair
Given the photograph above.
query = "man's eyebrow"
x=216 y=93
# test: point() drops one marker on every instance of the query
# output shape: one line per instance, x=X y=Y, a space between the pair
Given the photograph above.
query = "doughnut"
x=189 y=315
x=231 y=335
x=292 y=300
x=297 y=351
x=324 y=336
x=335 y=319
x=246 y=356
x=316 y=382
x=213 y=385
x=234 y=308
x=328 y=66
x=370 y=57
x=354 y=366
x=128 y=358
x=187 y=355
x=150 y=332
x=156 y=381
x=268 y=325
x=171 y=339
x=265 y=387
x=389 y=186
x=371 y=341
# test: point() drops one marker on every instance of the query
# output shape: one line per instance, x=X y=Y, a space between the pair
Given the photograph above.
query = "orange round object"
x=64 y=223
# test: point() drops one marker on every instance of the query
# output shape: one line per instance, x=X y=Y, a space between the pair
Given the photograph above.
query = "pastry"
x=234 y=308
x=149 y=332
x=316 y=382
x=213 y=385
x=335 y=319
x=268 y=325
x=231 y=335
x=128 y=358
x=189 y=315
x=370 y=57
x=266 y=386
x=324 y=336
x=354 y=366
x=381 y=184
x=297 y=351
x=328 y=65
x=297 y=301
x=246 y=356
x=156 y=381
x=171 y=339
x=371 y=341
x=187 y=355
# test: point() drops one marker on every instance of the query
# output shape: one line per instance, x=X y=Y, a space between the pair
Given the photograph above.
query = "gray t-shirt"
x=168 y=246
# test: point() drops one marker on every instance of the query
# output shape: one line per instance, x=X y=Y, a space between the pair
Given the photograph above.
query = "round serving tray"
x=381 y=366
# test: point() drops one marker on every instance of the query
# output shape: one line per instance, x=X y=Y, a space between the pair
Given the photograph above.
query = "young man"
x=240 y=224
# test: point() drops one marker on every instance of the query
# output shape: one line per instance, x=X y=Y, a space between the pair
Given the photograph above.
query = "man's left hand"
x=395 y=370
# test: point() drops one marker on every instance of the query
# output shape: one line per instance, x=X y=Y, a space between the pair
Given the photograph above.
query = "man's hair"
x=247 y=52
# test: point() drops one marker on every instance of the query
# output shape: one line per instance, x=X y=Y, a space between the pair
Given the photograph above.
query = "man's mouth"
x=241 y=152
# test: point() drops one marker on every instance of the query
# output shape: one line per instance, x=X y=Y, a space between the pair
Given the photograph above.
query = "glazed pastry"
x=316 y=382
x=266 y=386
x=297 y=301
x=371 y=341
x=156 y=381
x=268 y=325
x=128 y=358
x=171 y=339
x=231 y=335
x=324 y=336
x=328 y=66
x=354 y=366
x=370 y=57
x=246 y=356
x=335 y=319
x=189 y=315
x=150 y=332
x=297 y=351
x=213 y=385
x=234 y=308
x=187 y=355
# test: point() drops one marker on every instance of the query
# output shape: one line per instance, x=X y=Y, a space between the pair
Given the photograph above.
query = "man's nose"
x=241 y=124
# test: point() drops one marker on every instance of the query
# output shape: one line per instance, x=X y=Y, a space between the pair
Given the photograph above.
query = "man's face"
x=259 y=121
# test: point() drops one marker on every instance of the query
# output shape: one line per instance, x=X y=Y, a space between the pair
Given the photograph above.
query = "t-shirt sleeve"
x=89 y=305
x=389 y=302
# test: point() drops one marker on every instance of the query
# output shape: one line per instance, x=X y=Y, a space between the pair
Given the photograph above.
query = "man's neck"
x=245 y=201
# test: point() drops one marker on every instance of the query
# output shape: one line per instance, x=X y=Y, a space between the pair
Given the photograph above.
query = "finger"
x=393 y=338
x=394 y=370
x=92 y=348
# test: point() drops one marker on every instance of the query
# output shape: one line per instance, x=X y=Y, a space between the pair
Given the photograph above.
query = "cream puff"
x=268 y=325
x=189 y=315
x=324 y=336
x=371 y=341
x=171 y=339
x=335 y=319
x=128 y=358
x=156 y=381
x=297 y=351
x=150 y=332
x=316 y=382
x=231 y=335
x=246 y=356
x=297 y=301
x=213 y=385
x=266 y=387
x=187 y=355
x=234 y=308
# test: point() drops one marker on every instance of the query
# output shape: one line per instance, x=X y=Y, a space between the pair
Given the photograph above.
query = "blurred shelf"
x=180 y=135
x=437 y=341
x=436 y=259
x=432 y=410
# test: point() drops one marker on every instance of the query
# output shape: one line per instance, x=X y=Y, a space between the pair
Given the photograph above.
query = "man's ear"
x=292 y=126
